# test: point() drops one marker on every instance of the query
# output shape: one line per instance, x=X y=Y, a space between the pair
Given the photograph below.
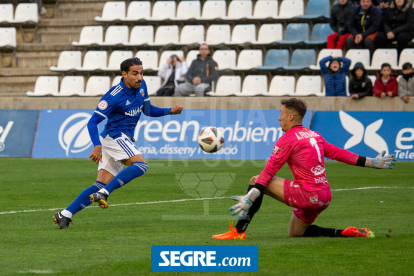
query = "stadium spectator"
x=360 y=85
x=173 y=73
x=335 y=75
x=386 y=84
x=406 y=83
x=339 y=18
x=398 y=25
x=200 y=75
x=363 y=24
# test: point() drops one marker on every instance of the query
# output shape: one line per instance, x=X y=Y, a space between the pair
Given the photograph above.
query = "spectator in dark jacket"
x=339 y=19
x=335 y=76
x=386 y=84
x=406 y=83
x=398 y=25
x=363 y=24
x=360 y=85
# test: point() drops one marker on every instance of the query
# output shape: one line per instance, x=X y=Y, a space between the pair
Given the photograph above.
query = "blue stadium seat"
x=301 y=59
x=320 y=34
x=317 y=9
x=275 y=59
x=295 y=33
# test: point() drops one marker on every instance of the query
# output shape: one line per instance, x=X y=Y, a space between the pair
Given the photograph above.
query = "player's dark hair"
x=128 y=63
x=407 y=66
x=385 y=65
x=295 y=104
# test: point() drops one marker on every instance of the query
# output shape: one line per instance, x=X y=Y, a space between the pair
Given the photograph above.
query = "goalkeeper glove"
x=245 y=202
x=382 y=161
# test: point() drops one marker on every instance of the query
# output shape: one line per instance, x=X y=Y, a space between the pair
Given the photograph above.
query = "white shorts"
x=114 y=151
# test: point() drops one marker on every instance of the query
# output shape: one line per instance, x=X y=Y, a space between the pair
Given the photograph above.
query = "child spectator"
x=335 y=76
x=386 y=83
x=406 y=83
x=339 y=19
x=359 y=85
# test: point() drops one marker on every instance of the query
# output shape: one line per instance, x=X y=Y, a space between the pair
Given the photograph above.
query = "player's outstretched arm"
x=96 y=154
x=382 y=161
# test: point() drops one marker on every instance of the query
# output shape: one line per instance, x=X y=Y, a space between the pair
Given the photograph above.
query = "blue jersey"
x=122 y=107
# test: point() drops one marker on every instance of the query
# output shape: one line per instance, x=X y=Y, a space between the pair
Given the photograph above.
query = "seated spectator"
x=173 y=73
x=359 y=85
x=200 y=75
x=335 y=76
x=339 y=18
x=398 y=25
x=364 y=23
x=406 y=83
x=386 y=84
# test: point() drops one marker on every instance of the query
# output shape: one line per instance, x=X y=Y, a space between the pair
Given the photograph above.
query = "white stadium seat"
x=265 y=9
x=188 y=10
x=281 y=86
x=6 y=13
x=166 y=54
x=326 y=53
x=269 y=33
x=227 y=86
x=249 y=59
x=116 y=81
x=149 y=59
x=214 y=10
x=384 y=56
x=115 y=35
x=218 y=34
x=26 y=13
x=407 y=55
x=356 y=55
x=94 y=60
x=163 y=10
x=239 y=9
x=45 y=85
x=153 y=84
x=8 y=37
x=138 y=10
x=112 y=10
x=141 y=35
x=226 y=59
x=192 y=34
x=373 y=79
x=243 y=33
x=96 y=86
x=253 y=85
x=166 y=35
x=309 y=85
x=90 y=35
x=68 y=60
x=191 y=56
x=116 y=58
x=291 y=9
x=71 y=86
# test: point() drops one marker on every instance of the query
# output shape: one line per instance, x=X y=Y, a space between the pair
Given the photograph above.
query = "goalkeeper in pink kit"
x=309 y=193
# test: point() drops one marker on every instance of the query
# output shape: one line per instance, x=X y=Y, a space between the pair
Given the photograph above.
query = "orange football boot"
x=358 y=232
x=231 y=235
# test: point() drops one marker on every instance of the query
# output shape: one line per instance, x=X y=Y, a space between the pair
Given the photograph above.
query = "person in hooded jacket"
x=173 y=73
x=406 y=83
x=335 y=75
x=339 y=19
x=360 y=85
x=386 y=84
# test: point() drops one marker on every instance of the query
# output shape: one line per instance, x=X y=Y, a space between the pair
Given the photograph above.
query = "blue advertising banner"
x=17 y=131
x=249 y=134
x=205 y=258
x=368 y=133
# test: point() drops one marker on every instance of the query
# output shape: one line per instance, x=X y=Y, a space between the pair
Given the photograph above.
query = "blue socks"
x=82 y=200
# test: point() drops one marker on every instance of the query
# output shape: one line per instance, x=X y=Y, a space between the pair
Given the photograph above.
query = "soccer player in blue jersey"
x=122 y=105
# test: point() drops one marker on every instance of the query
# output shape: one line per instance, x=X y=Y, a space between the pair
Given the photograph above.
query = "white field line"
x=189 y=199
x=32 y=271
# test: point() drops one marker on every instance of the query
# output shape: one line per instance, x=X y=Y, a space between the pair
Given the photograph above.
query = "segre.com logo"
x=205 y=258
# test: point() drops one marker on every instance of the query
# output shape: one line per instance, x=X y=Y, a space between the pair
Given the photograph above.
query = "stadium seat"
x=90 y=35
x=269 y=33
x=296 y=33
x=153 y=84
x=96 y=86
x=6 y=13
x=373 y=79
x=94 y=60
x=191 y=56
x=149 y=59
x=265 y=9
x=163 y=10
x=243 y=33
x=227 y=86
x=71 y=86
x=309 y=85
x=317 y=9
x=166 y=54
x=356 y=55
x=320 y=34
x=26 y=13
x=281 y=86
x=116 y=58
x=218 y=34
x=214 y=10
x=141 y=35
x=68 y=60
x=226 y=59
x=188 y=10
x=239 y=9
x=166 y=35
x=112 y=10
x=253 y=85
x=191 y=34
x=138 y=10
x=275 y=59
x=291 y=9
x=8 y=37
x=326 y=53
x=407 y=55
x=115 y=35
x=249 y=59
x=45 y=85
x=384 y=56
x=116 y=81
x=301 y=59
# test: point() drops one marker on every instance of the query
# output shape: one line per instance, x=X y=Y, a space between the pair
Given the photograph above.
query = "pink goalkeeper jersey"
x=304 y=150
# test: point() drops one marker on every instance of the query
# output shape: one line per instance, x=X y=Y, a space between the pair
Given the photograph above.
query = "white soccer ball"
x=211 y=139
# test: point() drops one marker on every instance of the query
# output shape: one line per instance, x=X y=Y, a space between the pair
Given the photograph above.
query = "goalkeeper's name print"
x=205 y=258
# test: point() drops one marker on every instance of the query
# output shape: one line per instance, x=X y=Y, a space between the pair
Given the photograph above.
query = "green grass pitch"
x=118 y=240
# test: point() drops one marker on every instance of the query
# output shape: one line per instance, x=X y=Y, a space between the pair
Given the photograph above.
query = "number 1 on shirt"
x=315 y=144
